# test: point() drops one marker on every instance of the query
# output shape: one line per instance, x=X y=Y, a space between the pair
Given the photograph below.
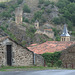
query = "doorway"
x=9 y=55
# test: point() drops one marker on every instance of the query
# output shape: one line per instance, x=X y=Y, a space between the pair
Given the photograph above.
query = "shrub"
x=38 y=15
x=52 y=58
x=26 y=20
x=2 y=5
x=46 y=3
x=48 y=10
x=59 y=63
x=43 y=8
x=19 y=1
x=5 y=14
x=56 y=32
x=41 y=1
x=39 y=6
x=73 y=33
x=26 y=9
x=43 y=19
x=49 y=64
x=56 y=20
x=57 y=38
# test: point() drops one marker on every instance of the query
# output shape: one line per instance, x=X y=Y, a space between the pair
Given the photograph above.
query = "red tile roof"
x=51 y=46
x=48 y=29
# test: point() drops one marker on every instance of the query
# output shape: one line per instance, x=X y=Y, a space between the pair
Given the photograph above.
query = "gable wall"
x=20 y=56
x=68 y=57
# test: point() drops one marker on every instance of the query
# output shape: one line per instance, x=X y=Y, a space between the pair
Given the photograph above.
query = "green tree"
x=26 y=9
x=38 y=15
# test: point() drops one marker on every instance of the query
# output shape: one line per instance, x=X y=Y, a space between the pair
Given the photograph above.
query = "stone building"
x=68 y=57
x=65 y=35
x=36 y=24
x=46 y=31
x=18 y=15
x=14 y=54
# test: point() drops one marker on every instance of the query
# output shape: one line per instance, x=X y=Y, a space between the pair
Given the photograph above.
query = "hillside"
x=4 y=0
x=48 y=13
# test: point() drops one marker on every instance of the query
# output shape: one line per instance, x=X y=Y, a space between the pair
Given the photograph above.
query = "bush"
x=52 y=58
x=26 y=9
x=73 y=33
x=56 y=20
x=46 y=3
x=5 y=14
x=27 y=20
x=48 y=11
x=43 y=8
x=41 y=1
x=49 y=64
x=43 y=20
x=2 y=5
x=38 y=15
x=39 y=6
x=57 y=38
x=19 y=1
x=56 y=32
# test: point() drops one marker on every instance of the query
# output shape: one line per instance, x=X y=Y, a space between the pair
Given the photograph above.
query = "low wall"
x=39 y=60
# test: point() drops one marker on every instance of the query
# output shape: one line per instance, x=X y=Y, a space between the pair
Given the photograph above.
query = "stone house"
x=68 y=57
x=13 y=54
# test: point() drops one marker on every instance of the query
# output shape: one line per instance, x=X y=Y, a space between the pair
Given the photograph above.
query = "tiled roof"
x=48 y=29
x=50 y=46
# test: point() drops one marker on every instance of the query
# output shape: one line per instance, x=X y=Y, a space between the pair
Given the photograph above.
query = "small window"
x=64 y=39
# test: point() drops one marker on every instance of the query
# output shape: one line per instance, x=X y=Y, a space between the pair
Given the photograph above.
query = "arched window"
x=64 y=39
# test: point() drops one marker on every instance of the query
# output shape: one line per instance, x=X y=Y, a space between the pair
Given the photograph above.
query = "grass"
x=25 y=68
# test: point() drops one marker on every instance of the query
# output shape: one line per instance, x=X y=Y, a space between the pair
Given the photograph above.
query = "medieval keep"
x=13 y=54
x=65 y=35
x=18 y=15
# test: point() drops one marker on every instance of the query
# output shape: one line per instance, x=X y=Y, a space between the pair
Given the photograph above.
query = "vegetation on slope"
x=67 y=10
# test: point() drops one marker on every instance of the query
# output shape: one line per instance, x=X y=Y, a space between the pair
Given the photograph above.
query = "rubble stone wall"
x=68 y=57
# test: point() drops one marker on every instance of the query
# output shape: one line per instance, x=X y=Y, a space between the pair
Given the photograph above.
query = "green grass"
x=27 y=68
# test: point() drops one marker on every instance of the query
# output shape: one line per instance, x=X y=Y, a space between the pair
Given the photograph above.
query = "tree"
x=26 y=9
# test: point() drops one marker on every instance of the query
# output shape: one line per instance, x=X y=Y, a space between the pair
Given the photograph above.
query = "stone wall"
x=39 y=60
x=50 y=34
x=68 y=57
x=67 y=38
x=21 y=56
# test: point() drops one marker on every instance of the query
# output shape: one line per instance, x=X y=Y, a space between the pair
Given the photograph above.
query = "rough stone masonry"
x=13 y=54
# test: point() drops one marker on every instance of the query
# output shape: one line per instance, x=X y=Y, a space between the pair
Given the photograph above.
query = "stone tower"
x=37 y=24
x=18 y=15
x=65 y=35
